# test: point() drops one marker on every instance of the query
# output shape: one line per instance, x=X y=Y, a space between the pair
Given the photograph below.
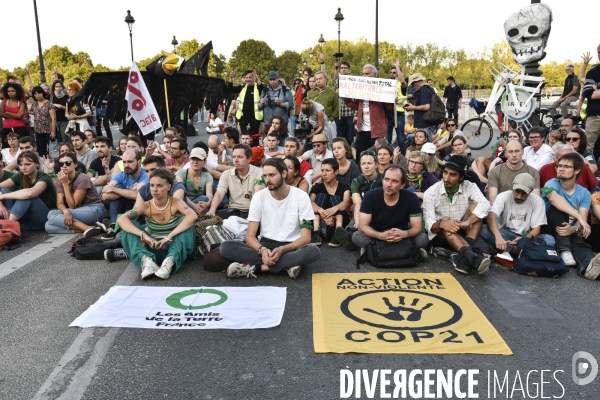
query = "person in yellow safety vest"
x=396 y=73
x=248 y=113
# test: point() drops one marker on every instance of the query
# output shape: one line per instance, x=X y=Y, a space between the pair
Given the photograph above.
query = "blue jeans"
x=225 y=198
x=292 y=125
x=32 y=213
x=119 y=206
x=345 y=128
x=490 y=239
x=200 y=198
x=89 y=215
x=400 y=138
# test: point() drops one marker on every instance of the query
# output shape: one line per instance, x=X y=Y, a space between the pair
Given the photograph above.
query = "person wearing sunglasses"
x=576 y=138
x=32 y=194
x=316 y=156
x=79 y=205
x=444 y=144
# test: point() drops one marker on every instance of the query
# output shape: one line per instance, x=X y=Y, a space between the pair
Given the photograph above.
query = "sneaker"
x=93 y=231
x=337 y=239
x=316 y=239
x=293 y=272
x=482 y=264
x=568 y=259
x=341 y=237
x=149 y=267
x=165 y=269
x=422 y=256
x=350 y=246
x=237 y=270
x=461 y=265
x=109 y=235
x=593 y=270
x=111 y=255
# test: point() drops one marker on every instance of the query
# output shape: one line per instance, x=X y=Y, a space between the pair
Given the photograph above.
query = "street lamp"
x=37 y=27
x=304 y=62
x=174 y=42
x=377 y=34
x=311 y=52
x=321 y=41
x=339 y=17
x=129 y=20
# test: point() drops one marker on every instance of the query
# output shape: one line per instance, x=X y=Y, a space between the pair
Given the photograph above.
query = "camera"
x=305 y=128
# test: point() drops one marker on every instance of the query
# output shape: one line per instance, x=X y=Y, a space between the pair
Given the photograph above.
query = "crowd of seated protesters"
x=435 y=194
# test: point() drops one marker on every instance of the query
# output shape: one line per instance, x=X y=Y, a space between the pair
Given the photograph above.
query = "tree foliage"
x=287 y=65
x=253 y=54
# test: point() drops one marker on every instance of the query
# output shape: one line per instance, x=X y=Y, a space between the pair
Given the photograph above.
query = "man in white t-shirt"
x=317 y=155
x=516 y=214
x=285 y=217
x=538 y=153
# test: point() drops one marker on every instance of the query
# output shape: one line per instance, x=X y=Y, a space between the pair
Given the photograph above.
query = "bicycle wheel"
x=478 y=132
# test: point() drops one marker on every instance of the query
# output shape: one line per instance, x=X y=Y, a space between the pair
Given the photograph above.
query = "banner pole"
x=167 y=103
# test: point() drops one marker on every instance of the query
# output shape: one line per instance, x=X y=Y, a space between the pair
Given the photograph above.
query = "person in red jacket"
x=371 y=122
x=587 y=179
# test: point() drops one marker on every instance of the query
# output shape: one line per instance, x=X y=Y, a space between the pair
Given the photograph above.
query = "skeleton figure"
x=527 y=32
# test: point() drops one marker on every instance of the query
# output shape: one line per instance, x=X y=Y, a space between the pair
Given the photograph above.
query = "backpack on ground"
x=382 y=254
x=214 y=262
x=91 y=250
x=437 y=111
x=10 y=231
x=539 y=260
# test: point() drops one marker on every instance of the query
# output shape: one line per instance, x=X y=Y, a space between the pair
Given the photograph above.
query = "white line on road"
x=32 y=254
x=77 y=367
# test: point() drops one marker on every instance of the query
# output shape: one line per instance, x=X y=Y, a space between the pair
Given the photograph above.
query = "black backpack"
x=90 y=249
x=539 y=260
x=437 y=111
x=382 y=254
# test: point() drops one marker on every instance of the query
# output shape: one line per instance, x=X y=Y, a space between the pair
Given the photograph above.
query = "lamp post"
x=37 y=27
x=174 y=42
x=339 y=17
x=321 y=41
x=304 y=62
x=310 y=52
x=129 y=20
x=377 y=34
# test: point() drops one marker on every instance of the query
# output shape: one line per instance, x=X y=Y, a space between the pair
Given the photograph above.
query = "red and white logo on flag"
x=140 y=104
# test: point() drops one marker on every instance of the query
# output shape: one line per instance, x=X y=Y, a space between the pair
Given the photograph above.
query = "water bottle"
x=443 y=254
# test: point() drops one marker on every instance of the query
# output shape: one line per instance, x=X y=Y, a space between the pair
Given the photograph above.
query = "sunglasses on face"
x=450 y=125
x=317 y=145
x=572 y=139
x=63 y=163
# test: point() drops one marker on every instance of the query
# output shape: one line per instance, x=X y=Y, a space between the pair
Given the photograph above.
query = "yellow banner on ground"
x=410 y=313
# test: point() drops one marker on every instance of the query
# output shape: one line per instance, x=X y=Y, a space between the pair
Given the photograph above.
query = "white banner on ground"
x=139 y=102
x=186 y=308
x=367 y=88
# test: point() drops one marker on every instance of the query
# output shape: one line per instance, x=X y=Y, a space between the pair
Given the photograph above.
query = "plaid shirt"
x=345 y=111
x=436 y=204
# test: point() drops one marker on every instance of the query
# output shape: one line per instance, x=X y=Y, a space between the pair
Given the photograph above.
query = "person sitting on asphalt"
x=294 y=178
x=330 y=200
x=454 y=210
x=280 y=129
x=179 y=155
x=239 y=184
x=567 y=209
x=285 y=217
x=293 y=147
x=385 y=154
x=433 y=162
x=577 y=138
x=516 y=214
x=198 y=182
x=122 y=190
x=316 y=156
x=538 y=153
x=169 y=237
x=79 y=205
x=214 y=125
x=500 y=179
x=272 y=148
x=29 y=195
x=586 y=178
x=483 y=165
x=100 y=169
x=84 y=154
x=418 y=179
x=444 y=144
x=231 y=138
x=391 y=214
x=348 y=170
x=50 y=166
x=133 y=143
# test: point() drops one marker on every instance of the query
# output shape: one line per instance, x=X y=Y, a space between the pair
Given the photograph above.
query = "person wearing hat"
x=422 y=98
x=418 y=179
x=248 y=112
x=454 y=210
x=276 y=100
x=433 y=163
x=198 y=182
x=570 y=93
x=316 y=156
x=516 y=214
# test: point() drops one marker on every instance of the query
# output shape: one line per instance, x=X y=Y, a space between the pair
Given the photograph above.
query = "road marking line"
x=34 y=253
x=77 y=367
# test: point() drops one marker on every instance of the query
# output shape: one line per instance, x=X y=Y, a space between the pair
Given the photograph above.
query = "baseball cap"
x=524 y=181
x=273 y=75
x=415 y=78
x=198 y=153
x=429 y=148
x=458 y=163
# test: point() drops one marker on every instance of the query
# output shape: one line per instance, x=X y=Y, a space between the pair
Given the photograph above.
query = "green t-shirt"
x=6 y=175
x=190 y=192
x=48 y=196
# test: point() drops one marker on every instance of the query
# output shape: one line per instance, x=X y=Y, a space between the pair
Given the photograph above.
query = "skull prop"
x=527 y=32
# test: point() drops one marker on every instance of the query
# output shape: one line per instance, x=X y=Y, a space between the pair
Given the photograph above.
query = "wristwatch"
x=259 y=248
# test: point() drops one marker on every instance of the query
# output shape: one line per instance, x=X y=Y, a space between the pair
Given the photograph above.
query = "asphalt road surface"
x=42 y=290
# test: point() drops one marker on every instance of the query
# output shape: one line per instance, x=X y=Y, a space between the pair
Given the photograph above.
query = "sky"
x=283 y=25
